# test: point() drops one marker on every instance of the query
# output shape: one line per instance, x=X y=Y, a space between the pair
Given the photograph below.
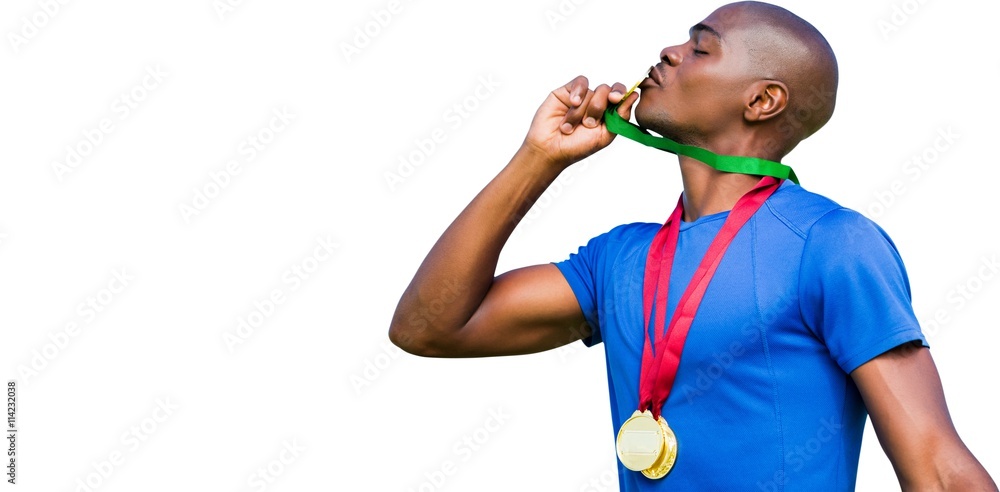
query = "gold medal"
x=641 y=447
x=640 y=441
x=636 y=86
x=667 y=457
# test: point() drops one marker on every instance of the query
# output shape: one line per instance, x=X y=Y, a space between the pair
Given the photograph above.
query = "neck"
x=707 y=191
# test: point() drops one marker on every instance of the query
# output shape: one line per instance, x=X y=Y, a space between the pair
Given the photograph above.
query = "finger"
x=573 y=93
x=576 y=115
x=580 y=88
x=596 y=106
x=617 y=93
x=625 y=108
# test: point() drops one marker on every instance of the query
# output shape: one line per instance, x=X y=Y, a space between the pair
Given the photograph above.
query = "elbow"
x=406 y=334
x=420 y=340
x=951 y=467
x=966 y=473
x=412 y=338
x=405 y=340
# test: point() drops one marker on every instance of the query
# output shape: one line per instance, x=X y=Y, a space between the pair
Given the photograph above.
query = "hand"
x=569 y=125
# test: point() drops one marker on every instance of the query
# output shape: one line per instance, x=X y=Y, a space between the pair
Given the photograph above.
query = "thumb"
x=625 y=107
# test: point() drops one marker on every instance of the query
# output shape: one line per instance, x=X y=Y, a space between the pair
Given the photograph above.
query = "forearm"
x=456 y=274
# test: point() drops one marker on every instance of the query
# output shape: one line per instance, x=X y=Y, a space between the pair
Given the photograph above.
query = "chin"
x=660 y=124
x=649 y=118
x=644 y=115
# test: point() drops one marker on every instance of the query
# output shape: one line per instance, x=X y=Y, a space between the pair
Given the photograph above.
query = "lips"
x=653 y=80
x=654 y=73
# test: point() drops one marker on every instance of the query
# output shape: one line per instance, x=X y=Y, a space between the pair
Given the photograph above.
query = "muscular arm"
x=454 y=307
x=903 y=393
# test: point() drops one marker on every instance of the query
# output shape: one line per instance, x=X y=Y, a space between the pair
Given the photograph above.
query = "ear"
x=765 y=99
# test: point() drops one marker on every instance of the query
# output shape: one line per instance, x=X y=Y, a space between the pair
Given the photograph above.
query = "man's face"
x=695 y=93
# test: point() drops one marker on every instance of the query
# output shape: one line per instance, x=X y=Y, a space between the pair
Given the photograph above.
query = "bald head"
x=781 y=46
x=752 y=79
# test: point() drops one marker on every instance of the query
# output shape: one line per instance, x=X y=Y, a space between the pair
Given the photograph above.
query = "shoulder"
x=621 y=241
x=625 y=233
x=625 y=237
x=633 y=232
x=811 y=214
x=610 y=244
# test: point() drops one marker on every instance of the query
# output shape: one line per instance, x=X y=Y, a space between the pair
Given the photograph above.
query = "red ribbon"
x=659 y=369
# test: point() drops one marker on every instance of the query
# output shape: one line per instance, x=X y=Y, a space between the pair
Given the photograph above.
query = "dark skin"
x=711 y=91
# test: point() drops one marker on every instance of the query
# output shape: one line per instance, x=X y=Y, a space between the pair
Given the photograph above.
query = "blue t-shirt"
x=807 y=292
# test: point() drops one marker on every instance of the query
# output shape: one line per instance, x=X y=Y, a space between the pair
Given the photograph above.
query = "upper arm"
x=854 y=290
x=903 y=393
x=856 y=298
x=526 y=310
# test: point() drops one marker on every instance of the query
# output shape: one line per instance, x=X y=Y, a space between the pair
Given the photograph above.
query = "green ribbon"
x=725 y=163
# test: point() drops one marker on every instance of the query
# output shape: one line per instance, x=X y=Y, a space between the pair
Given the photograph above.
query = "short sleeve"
x=854 y=292
x=581 y=272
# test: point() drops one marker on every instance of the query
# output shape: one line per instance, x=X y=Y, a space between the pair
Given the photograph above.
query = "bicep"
x=902 y=391
x=526 y=310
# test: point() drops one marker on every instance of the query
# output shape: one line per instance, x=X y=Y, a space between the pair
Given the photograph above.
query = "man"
x=807 y=317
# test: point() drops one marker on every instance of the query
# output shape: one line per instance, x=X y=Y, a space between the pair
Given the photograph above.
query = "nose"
x=671 y=55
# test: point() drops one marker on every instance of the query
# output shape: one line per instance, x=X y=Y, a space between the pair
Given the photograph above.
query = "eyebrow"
x=699 y=27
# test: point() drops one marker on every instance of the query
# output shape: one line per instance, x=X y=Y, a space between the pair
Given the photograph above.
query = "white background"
x=319 y=370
